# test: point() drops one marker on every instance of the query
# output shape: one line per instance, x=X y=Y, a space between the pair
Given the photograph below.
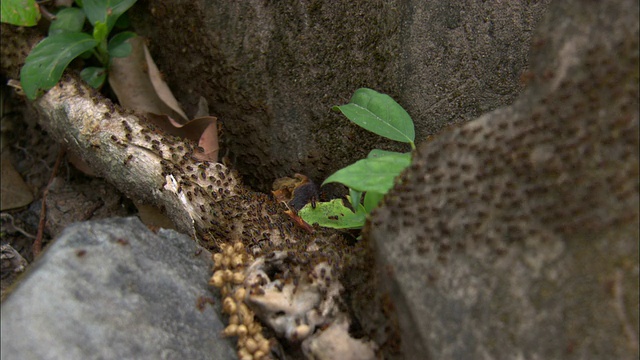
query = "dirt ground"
x=72 y=195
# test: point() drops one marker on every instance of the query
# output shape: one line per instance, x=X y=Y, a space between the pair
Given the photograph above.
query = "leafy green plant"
x=19 y=12
x=368 y=179
x=66 y=41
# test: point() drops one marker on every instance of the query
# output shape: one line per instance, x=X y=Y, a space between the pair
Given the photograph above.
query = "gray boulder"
x=516 y=235
x=112 y=289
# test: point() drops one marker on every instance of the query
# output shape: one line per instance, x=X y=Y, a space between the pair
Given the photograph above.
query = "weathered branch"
x=201 y=198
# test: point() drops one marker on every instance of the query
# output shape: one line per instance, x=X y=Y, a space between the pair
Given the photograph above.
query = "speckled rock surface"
x=516 y=235
x=112 y=289
x=272 y=70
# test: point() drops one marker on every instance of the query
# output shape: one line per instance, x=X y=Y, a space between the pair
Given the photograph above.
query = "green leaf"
x=123 y=22
x=372 y=200
x=380 y=114
x=67 y=20
x=19 y=12
x=100 y=31
x=48 y=59
x=355 y=197
x=86 y=55
x=333 y=214
x=94 y=76
x=106 y=11
x=118 y=45
x=372 y=174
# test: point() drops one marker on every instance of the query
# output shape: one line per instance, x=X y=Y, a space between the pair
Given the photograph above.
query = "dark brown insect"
x=126 y=161
x=202 y=301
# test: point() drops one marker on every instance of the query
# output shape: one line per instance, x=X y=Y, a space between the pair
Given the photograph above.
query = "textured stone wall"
x=272 y=70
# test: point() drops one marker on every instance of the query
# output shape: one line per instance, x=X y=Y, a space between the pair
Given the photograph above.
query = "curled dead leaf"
x=138 y=83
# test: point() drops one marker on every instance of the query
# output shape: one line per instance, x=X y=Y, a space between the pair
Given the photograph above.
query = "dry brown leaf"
x=203 y=131
x=153 y=217
x=14 y=193
x=203 y=108
x=80 y=164
x=138 y=84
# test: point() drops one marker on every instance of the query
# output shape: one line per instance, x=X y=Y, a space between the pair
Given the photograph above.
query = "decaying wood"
x=205 y=200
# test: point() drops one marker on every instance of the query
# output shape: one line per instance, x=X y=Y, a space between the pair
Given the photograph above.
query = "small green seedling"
x=66 y=41
x=368 y=179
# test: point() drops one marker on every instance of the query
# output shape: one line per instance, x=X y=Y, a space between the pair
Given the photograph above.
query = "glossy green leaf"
x=380 y=114
x=48 y=59
x=372 y=174
x=19 y=12
x=106 y=11
x=94 y=76
x=372 y=200
x=333 y=214
x=118 y=45
x=67 y=20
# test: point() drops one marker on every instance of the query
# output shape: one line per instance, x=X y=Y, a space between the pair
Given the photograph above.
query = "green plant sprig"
x=47 y=61
x=368 y=179
x=19 y=12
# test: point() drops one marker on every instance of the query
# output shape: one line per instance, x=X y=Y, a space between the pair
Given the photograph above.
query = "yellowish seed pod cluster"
x=228 y=276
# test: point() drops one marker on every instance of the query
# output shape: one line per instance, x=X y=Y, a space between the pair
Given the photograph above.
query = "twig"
x=15 y=227
x=37 y=243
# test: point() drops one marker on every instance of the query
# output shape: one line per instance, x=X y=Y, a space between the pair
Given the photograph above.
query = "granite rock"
x=112 y=289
